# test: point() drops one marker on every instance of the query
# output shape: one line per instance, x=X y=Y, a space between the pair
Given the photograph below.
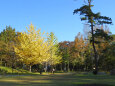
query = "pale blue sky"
x=51 y=15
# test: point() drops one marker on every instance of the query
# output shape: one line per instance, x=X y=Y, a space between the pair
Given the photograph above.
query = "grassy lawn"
x=58 y=79
x=9 y=70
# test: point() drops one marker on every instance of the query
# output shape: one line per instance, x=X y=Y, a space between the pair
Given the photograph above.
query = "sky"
x=51 y=15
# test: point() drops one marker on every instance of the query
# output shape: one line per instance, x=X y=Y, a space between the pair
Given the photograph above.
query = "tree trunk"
x=94 y=49
x=12 y=70
x=30 y=69
x=68 y=67
x=1 y=61
x=61 y=66
x=46 y=67
x=65 y=68
x=93 y=40
x=73 y=67
x=5 y=64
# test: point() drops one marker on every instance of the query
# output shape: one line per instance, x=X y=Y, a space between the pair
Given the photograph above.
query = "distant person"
x=53 y=70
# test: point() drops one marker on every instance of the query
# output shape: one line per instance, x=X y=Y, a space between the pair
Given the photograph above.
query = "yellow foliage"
x=31 y=46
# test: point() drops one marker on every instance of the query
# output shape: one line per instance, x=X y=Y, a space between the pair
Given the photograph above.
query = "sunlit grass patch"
x=63 y=79
x=8 y=70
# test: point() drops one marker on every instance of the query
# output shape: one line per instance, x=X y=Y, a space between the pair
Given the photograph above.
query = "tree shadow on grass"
x=56 y=80
x=93 y=85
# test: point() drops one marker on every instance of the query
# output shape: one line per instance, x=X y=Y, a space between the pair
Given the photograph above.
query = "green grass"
x=58 y=79
x=7 y=70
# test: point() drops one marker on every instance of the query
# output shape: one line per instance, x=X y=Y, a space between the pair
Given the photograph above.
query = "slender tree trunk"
x=41 y=68
x=93 y=40
x=73 y=67
x=30 y=69
x=94 y=49
x=46 y=67
x=61 y=66
x=12 y=64
x=65 y=67
x=68 y=67
x=1 y=61
x=12 y=70
x=5 y=64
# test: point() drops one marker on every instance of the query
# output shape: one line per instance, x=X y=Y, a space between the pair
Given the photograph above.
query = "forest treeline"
x=35 y=50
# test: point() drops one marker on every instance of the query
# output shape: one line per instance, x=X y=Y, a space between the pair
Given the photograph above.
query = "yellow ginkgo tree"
x=32 y=47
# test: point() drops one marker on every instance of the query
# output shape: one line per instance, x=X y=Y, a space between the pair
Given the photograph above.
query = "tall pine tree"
x=93 y=19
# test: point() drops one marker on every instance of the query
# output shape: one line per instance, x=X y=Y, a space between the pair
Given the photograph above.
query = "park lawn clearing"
x=58 y=79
